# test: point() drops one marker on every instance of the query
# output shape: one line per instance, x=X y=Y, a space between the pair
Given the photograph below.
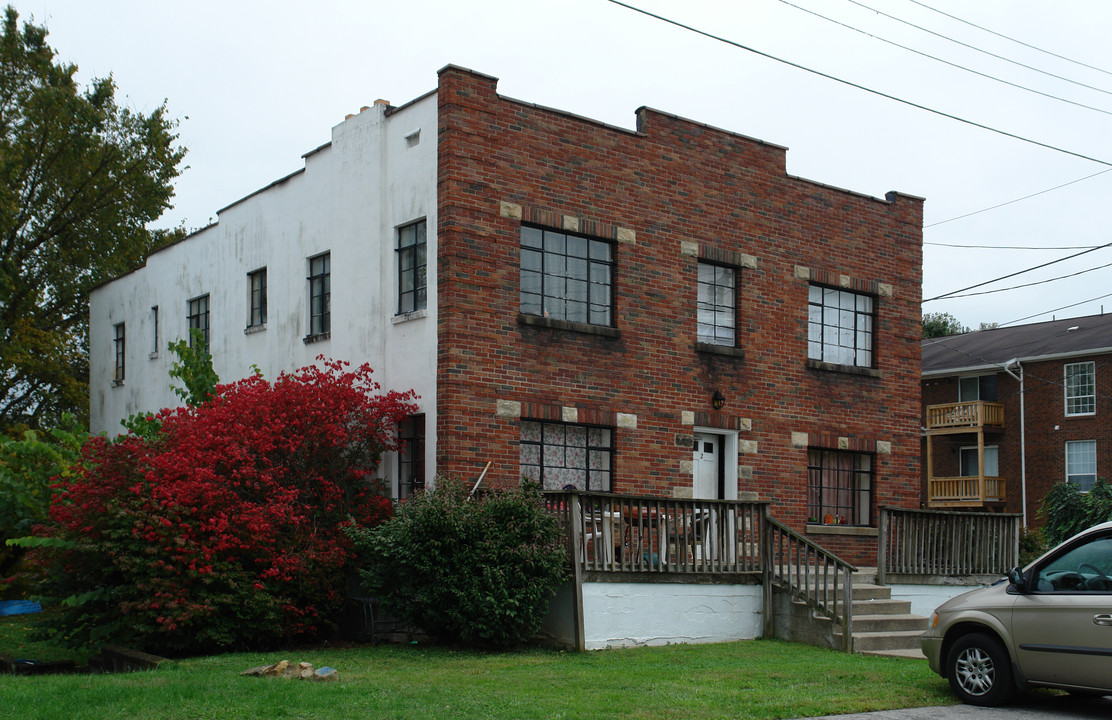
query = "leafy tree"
x=1067 y=511
x=479 y=571
x=224 y=529
x=941 y=324
x=81 y=180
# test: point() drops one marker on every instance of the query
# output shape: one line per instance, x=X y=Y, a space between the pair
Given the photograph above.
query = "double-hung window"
x=558 y=455
x=412 y=268
x=1081 y=393
x=1081 y=464
x=839 y=487
x=411 y=456
x=717 y=304
x=566 y=277
x=320 y=294
x=840 y=326
x=120 y=343
x=199 y=320
x=256 y=288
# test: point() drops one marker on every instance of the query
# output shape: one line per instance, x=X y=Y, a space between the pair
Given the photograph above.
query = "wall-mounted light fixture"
x=717 y=400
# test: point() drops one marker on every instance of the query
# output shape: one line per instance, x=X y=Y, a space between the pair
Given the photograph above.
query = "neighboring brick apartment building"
x=662 y=312
x=1016 y=410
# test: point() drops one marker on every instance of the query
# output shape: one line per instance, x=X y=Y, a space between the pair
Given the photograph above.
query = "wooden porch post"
x=575 y=522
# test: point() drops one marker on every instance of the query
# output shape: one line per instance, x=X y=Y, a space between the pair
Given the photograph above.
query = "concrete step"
x=881 y=607
x=888 y=623
x=875 y=641
x=916 y=654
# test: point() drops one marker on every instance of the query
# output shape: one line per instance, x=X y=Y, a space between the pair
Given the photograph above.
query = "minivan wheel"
x=979 y=670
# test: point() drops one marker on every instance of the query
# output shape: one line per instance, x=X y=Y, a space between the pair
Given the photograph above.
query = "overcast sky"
x=257 y=84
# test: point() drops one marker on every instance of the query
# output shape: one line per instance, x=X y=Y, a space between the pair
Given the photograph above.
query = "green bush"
x=476 y=571
x=1067 y=511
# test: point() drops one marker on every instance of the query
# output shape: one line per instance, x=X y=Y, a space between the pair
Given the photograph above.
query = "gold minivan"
x=1047 y=625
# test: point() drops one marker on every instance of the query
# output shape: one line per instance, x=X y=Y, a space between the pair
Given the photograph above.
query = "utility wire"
x=1020 y=272
x=1011 y=39
x=1030 y=284
x=980 y=50
x=1064 y=307
x=1025 y=197
x=1013 y=247
x=909 y=103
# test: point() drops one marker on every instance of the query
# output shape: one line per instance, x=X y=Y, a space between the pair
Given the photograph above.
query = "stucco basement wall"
x=638 y=614
x=925 y=598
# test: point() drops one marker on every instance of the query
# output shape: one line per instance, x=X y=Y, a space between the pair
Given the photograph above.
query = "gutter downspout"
x=1022 y=434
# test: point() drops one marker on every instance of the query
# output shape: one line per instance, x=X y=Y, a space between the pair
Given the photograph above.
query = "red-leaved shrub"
x=223 y=529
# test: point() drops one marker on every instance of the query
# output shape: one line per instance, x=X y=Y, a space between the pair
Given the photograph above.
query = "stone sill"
x=584 y=328
x=712 y=349
x=319 y=337
x=406 y=317
x=847 y=369
x=854 y=530
x=252 y=329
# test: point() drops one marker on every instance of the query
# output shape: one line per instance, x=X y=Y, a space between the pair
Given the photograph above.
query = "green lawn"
x=756 y=679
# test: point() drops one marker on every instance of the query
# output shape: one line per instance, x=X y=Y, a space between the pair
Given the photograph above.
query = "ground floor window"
x=839 y=487
x=411 y=456
x=557 y=455
x=1081 y=464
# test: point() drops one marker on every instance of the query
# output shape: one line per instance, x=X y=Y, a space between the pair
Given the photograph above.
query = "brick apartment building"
x=1012 y=411
x=663 y=311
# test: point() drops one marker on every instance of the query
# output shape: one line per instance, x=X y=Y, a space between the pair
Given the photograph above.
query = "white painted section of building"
x=378 y=173
x=638 y=614
x=925 y=598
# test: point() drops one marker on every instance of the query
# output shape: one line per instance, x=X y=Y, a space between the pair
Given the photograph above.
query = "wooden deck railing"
x=966 y=490
x=811 y=575
x=625 y=533
x=932 y=542
x=965 y=415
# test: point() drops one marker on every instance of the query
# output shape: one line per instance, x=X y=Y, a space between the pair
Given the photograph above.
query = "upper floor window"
x=154 y=321
x=256 y=288
x=840 y=326
x=411 y=456
x=1081 y=392
x=199 y=319
x=320 y=294
x=120 y=343
x=412 y=268
x=566 y=277
x=977 y=387
x=1081 y=463
x=717 y=304
x=557 y=455
x=839 y=487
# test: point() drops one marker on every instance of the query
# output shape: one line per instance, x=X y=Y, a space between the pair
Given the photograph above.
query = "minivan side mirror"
x=1016 y=578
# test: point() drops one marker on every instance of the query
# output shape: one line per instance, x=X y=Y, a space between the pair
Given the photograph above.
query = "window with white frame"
x=717 y=304
x=320 y=294
x=412 y=267
x=120 y=344
x=977 y=387
x=840 y=326
x=199 y=319
x=968 y=465
x=557 y=455
x=566 y=277
x=256 y=289
x=839 y=487
x=1081 y=392
x=1081 y=463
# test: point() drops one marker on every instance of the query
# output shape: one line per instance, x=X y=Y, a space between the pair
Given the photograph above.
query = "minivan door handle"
x=1105 y=619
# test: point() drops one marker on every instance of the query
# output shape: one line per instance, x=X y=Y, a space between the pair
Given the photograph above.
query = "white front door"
x=707 y=466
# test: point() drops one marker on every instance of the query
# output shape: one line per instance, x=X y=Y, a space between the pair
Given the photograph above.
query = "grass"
x=755 y=679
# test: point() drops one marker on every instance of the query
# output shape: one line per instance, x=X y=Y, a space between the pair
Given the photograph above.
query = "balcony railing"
x=967 y=491
x=970 y=415
x=925 y=542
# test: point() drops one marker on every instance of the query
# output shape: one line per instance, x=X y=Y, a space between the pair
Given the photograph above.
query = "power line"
x=1031 y=284
x=980 y=50
x=1064 y=307
x=909 y=103
x=1013 y=247
x=1020 y=272
x=1011 y=39
x=1025 y=197
x=944 y=62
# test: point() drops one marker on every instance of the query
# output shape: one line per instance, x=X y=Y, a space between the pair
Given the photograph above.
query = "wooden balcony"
x=974 y=491
x=964 y=417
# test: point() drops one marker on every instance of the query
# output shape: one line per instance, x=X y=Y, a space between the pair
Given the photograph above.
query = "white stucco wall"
x=925 y=598
x=636 y=614
x=377 y=173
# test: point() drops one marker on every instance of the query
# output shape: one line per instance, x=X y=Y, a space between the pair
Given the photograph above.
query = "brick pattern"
x=658 y=191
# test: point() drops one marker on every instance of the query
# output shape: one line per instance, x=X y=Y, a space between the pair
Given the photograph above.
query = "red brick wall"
x=673 y=181
x=1047 y=429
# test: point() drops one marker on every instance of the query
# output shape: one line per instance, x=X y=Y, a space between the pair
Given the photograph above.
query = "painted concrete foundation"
x=925 y=598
